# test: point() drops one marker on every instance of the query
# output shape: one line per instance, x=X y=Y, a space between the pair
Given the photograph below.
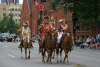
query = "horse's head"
x=51 y=34
x=68 y=37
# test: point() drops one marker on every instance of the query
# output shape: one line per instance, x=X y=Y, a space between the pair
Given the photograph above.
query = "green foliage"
x=11 y=25
x=7 y=24
x=3 y=24
x=89 y=11
x=55 y=4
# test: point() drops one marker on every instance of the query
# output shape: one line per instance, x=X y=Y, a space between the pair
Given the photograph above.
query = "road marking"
x=10 y=55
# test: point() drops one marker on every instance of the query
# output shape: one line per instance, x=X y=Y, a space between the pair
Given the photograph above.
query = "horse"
x=66 y=45
x=26 y=43
x=49 y=45
x=59 y=49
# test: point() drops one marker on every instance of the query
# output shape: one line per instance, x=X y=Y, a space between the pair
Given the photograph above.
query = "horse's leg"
x=48 y=55
x=66 y=56
x=43 y=55
x=21 y=50
x=57 y=53
x=29 y=53
x=25 y=53
x=51 y=52
x=61 y=54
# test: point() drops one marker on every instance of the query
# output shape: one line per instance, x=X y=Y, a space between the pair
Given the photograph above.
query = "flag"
x=37 y=9
x=25 y=13
x=34 y=18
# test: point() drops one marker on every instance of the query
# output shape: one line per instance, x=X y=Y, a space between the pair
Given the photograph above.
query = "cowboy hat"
x=61 y=20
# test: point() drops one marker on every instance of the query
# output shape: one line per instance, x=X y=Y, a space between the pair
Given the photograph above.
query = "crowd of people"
x=90 y=41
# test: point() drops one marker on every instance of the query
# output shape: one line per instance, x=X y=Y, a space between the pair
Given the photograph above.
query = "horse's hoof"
x=43 y=61
x=60 y=61
x=57 y=61
x=28 y=57
x=67 y=62
x=47 y=61
x=50 y=62
x=53 y=57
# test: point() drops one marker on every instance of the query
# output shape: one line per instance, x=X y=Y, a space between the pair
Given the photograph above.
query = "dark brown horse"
x=49 y=46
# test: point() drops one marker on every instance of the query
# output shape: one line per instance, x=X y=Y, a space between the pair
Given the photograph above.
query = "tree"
x=3 y=23
x=89 y=11
x=12 y=26
x=7 y=24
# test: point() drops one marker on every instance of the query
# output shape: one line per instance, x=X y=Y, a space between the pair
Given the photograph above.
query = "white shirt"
x=59 y=36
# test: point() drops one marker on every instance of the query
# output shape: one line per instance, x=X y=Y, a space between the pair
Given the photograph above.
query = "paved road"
x=10 y=57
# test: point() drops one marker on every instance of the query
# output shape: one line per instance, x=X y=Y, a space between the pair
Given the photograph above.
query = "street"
x=10 y=56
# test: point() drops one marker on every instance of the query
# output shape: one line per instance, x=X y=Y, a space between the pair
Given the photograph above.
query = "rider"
x=62 y=30
x=43 y=31
x=43 y=27
x=26 y=32
x=51 y=25
x=63 y=25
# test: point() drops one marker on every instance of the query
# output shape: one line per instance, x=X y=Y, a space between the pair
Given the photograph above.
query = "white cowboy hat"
x=61 y=20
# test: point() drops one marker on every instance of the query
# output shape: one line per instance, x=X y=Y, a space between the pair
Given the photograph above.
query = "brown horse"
x=67 y=45
x=49 y=46
x=25 y=44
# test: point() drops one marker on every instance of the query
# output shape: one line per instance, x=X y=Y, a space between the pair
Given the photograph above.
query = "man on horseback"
x=63 y=28
x=25 y=38
x=26 y=32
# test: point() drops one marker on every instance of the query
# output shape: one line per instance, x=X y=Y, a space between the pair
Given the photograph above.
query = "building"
x=3 y=10
x=14 y=9
x=10 y=1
